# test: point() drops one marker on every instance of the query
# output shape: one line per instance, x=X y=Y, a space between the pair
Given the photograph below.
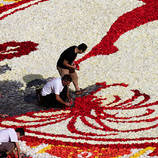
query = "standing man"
x=9 y=140
x=56 y=91
x=65 y=64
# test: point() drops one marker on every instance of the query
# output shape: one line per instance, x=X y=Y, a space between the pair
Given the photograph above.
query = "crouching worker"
x=56 y=92
x=9 y=141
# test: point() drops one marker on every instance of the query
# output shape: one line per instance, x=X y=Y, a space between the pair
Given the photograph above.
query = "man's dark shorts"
x=7 y=147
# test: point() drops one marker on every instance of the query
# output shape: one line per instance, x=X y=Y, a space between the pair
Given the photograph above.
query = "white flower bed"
x=56 y=25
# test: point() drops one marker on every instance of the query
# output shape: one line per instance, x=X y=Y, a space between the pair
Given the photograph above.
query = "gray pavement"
x=14 y=101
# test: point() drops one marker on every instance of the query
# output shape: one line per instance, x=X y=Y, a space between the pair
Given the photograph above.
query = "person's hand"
x=77 y=65
x=70 y=101
x=19 y=156
x=73 y=66
x=67 y=104
x=22 y=155
x=3 y=115
x=72 y=69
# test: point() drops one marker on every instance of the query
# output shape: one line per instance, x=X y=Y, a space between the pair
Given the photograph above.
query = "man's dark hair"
x=21 y=131
x=67 y=78
x=82 y=47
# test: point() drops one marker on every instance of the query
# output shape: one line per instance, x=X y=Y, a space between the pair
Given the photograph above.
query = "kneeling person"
x=9 y=140
x=56 y=91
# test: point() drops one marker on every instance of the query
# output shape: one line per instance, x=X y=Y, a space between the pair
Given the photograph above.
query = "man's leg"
x=50 y=101
x=75 y=80
x=62 y=72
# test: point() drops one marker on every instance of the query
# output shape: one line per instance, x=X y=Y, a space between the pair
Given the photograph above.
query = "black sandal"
x=78 y=92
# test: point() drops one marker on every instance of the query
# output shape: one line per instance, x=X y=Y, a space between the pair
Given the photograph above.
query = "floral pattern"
x=16 y=49
x=119 y=119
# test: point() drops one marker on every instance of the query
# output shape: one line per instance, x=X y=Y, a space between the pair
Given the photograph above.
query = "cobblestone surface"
x=4 y=68
x=15 y=101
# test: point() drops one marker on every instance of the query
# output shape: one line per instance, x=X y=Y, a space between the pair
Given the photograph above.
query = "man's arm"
x=68 y=95
x=59 y=99
x=18 y=149
x=66 y=63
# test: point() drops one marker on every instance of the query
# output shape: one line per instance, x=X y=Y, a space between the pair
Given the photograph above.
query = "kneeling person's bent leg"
x=49 y=100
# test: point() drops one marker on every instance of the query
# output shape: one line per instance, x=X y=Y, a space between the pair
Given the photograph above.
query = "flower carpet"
x=117 y=119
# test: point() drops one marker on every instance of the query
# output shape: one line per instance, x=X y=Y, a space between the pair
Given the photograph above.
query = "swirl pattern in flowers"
x=97 y=122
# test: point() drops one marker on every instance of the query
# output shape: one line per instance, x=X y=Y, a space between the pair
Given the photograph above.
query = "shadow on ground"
x=16 y=101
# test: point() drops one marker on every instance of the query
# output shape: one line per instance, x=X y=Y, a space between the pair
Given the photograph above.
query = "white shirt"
x=53 y=86
x=8 y=135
